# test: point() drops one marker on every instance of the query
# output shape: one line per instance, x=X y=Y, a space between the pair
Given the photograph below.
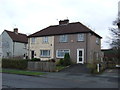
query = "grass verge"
x=22 y=72
x=58 y=68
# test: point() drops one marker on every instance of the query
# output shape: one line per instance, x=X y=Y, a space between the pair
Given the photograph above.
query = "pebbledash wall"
x=12 y=49
x=0 y=51
x=7 y=44
x=0 y=46
x=40 y=45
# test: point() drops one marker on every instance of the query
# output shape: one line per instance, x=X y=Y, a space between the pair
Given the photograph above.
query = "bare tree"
x=115 y=44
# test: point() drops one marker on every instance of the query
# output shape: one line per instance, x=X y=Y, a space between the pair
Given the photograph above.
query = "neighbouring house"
x=14 y=44
x=83 y=44
x=0 y=46
x=0 y=51
x=110 y=54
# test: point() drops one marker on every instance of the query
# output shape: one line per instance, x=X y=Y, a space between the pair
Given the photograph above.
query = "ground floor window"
x=44 y=53
x=61 y=53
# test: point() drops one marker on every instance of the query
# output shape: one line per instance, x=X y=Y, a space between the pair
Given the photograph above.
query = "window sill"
x=80 y=41
x=45 y=57
x=63 y=42
x=59 y=57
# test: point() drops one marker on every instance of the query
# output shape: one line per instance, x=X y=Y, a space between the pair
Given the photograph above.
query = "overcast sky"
x=30 y=16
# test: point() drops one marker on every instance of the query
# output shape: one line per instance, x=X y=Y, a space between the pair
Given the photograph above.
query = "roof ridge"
x=13 y=32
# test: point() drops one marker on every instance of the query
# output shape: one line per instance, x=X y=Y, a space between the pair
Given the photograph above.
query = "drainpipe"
x=29 y=48
x=86 y=47
x=13 y=48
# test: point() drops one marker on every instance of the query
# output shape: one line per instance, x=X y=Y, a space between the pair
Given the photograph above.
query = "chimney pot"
x=16 y=30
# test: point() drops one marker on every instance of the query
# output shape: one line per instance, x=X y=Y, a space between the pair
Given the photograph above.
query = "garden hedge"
x=14 y=64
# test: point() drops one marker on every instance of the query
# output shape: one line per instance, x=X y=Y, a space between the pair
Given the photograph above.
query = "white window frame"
x=97 y=40
x=97 y=56
x=63 y=38
x=33 y=40
x=45 y=39
x=63 y=50
x=80 y=37
x=42 y=53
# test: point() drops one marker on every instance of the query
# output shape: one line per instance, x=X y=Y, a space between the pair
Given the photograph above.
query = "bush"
x=93 y=68
x=35 y=59
x=67 y=60
x=51 y=60
x=15 y=64
x=61 y=62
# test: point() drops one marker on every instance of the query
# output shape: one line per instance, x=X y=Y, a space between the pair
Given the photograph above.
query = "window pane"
x=45 y=53
x=80 y=37
x=80 y=53
x=97 y=40
x=80 y=59
x=61 y=53
x=45 y=39
x=33 y=40
x=63 y=38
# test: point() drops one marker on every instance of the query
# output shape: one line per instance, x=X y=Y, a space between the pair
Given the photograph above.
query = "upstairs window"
x=97 y=41
x=33 y=40
x=45 y=39
x=63 y=38
x=80 y=37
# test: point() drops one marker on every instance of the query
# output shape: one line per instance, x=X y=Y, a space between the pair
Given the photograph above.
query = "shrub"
x=93 y=68
x=15 y=64
x=67 y=60
x=61 y=62
x=35 y=59
x=51 y=60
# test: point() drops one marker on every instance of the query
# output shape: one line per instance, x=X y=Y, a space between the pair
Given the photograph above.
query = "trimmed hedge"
x=15 y=64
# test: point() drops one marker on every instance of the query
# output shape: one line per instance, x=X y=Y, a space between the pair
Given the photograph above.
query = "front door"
x=32 y=54
x=80 y=56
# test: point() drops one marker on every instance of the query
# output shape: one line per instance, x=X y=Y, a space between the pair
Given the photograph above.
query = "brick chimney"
x=16 y=30
x=63 y=22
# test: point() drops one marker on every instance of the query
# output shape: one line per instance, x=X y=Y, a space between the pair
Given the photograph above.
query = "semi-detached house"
x=83 y=44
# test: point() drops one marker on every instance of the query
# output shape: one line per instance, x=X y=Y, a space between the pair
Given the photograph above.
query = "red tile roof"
x=18 y=37
x=71 y=28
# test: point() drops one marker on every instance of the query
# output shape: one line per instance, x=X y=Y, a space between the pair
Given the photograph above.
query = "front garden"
x=49 y=65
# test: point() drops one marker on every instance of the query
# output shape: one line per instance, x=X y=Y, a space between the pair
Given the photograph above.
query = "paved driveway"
x=61 y=80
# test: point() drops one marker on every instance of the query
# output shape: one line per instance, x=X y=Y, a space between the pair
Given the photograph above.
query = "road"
x=59 y=80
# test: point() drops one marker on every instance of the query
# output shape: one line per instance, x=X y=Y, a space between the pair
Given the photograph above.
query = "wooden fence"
x=42 y=66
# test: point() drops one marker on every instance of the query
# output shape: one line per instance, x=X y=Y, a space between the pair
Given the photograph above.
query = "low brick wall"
x=42 y=66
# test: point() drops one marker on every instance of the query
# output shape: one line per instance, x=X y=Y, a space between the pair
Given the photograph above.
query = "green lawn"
x=22 y=72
